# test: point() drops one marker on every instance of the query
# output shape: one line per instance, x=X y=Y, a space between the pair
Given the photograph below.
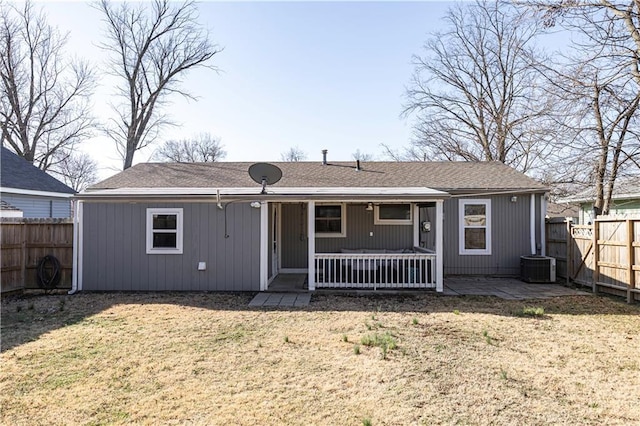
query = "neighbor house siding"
x=619 y=209
x=510 y=234
x=34 y=206
x=114 y=249
x=359 y=226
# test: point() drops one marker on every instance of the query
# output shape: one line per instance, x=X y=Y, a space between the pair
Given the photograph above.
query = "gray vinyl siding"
x=115 y=259
x=295 y=242
x=510 y=235
x=359 y=225
x=428 y=239
x=34 y=206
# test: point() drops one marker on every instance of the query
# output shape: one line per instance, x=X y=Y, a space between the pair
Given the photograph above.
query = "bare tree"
x=152 y=47
x=598 y=85
x=77 y=170
x=361 y=156
x=203 y=148
x=293 y=154
x=476 y=94
x=608 y=28
x=413 y=152
x=44 y=107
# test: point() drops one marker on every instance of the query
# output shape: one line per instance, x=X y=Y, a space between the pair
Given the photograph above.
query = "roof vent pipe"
x=324 y=157
x=357 y=165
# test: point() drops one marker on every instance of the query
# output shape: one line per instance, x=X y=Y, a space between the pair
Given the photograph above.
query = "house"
x=27 y=189
x=7 y=210
x=625 y=201
x=210 y=227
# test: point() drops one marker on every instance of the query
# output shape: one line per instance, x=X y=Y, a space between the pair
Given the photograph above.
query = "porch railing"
x=375 y=271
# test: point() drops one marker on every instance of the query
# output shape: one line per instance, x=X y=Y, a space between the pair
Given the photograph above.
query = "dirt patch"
x=209 y=359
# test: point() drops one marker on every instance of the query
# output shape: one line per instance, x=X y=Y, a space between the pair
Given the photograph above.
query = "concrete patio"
x=504 y=288
x=289 y=300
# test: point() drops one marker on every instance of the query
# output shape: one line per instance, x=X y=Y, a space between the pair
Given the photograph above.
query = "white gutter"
x=508 y=192
x=532 y=223
x=272 y=192
x=37 y=193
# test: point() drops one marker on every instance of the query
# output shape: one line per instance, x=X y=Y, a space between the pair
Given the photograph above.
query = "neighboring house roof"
x=626 y=189
x=562 y=210
x=452 y=177
x=17 y=173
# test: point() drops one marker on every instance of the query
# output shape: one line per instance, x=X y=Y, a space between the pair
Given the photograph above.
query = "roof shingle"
x=18 y=173
x=445 y=176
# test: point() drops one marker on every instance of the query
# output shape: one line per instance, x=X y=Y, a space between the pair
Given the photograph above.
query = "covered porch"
x=384 y=240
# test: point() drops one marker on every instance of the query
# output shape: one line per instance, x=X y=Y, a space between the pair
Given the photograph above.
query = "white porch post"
x=439 y=246
x=311 y=231
x=264 y=245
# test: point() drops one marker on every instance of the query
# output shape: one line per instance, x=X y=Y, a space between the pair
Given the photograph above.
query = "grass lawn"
x=209 y=359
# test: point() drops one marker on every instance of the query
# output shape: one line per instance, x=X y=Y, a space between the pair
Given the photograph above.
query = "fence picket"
x=24 y=242
x=601 y=256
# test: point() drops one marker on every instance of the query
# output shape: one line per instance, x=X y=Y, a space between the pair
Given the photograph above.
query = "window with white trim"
x=164 y=231
x=393 y=214
x=331 y=220
x=475 y=226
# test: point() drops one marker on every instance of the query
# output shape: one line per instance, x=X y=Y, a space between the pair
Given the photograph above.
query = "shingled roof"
x=624 y=189
x=453 y=177
x=18 y=173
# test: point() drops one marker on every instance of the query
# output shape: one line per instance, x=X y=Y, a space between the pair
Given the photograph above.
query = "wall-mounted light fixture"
x=369 y=207
x=514 y=198
x=255 y=204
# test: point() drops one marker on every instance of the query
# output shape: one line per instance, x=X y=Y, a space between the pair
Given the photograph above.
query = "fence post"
x=631 y=275
x=596 y=253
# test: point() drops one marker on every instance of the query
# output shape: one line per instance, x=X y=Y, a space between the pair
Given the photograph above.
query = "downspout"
x=532 y=223
x=543 y=225
x=75 y=274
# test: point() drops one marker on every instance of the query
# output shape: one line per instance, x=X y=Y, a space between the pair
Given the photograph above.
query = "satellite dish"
x=265 y=174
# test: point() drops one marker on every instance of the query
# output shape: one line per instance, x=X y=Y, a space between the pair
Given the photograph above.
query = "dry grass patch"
x=209 y=359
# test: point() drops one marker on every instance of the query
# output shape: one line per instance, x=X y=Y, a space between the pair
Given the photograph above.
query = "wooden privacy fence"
x=604 y=256
x=24 y=242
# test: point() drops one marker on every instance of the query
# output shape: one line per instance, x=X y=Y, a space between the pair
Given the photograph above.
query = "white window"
x=392 y=214
x=164 y=231
x=331 y=220
x=475 y=226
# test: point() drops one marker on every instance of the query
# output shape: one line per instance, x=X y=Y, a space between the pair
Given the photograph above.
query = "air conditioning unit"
x=537 y=269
